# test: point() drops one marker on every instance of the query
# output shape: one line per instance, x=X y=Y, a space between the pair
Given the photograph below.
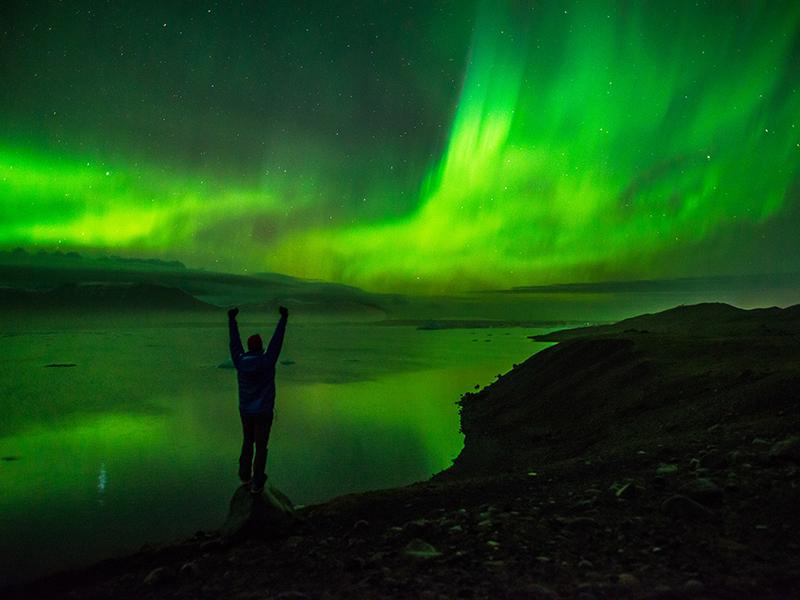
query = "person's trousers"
x=255 y=432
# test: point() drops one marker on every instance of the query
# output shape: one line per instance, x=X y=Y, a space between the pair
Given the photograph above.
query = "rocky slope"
x=622 y=462
x=655 y=379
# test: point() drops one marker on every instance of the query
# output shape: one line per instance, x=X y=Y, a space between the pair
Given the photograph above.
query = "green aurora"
x=552 y=141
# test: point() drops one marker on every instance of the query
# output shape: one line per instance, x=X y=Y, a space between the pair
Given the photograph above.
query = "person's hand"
x=232 y=313
x=284 y=311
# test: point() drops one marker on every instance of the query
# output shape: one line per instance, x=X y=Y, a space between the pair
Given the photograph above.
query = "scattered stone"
x=190 y=571
x=355 y=542
x=704 y=491
x=585 y=565
x=694 y=586
x=666 y=469
x=534 y=591
x=355 y=563
x=628 y=580
x=9 y=458
x=659 y=482
x=211 y=546
x=663 y=591
x=732 y=482
x=760 y=443
x=417 y=527
x=681 y=506
x=292 y=595
x=159 y=576
x=714 y=459
x=293 y=542
x=421 y=549
x=60 y=365
x=731 y=545
x=584 y=505
x=788 y=449
x=581 y=523
x=360 y=526
x=735 y=457
x=456 y=529
x=624 y=491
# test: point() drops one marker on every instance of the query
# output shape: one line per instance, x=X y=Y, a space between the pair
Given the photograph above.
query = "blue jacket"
x=256 y=370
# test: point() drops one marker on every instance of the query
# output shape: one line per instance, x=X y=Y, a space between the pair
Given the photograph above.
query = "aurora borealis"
x=439 y=146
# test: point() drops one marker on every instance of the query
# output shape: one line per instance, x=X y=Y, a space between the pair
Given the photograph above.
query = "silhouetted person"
x=255 y=370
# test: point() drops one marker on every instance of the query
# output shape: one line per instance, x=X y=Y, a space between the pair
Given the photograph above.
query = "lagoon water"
x=138 y=441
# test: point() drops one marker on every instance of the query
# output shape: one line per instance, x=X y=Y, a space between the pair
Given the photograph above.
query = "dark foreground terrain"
x=655 y=458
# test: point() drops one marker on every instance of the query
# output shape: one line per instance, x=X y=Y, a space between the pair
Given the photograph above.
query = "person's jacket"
x=256 y=370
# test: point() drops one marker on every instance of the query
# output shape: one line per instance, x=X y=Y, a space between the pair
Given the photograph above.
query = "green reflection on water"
x=139 y=441
x=63 y=461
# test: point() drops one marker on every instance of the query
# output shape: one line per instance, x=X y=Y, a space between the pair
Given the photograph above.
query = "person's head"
x=255 y=343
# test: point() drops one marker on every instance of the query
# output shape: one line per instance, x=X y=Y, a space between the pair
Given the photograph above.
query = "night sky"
x=425 y=147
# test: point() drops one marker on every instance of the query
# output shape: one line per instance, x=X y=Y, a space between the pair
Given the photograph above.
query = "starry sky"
x=427 y=146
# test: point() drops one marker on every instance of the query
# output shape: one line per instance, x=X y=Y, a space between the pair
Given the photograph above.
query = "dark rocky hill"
x=613 y=389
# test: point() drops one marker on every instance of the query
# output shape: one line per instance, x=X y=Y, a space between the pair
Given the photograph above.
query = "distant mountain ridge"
x=103 y=296
x=45 y=281
x=21 y=256
x=717 y=283
x=706 y=319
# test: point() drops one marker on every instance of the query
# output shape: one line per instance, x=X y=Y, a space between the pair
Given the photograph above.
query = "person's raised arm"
x=236 y=342
x=274 y=348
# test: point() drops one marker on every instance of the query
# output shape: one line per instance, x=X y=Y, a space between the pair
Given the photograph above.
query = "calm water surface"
x=138 y=442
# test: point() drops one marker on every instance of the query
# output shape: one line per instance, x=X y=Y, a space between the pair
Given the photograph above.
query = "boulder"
x=421 y=549
x=714 y=459
x=190 y=571
x=704 y=490
x=666 y=469
x=682 y=507
x=159 y=576
x=269 y=514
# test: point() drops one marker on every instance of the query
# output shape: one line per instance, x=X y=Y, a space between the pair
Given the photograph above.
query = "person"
x=255 y=372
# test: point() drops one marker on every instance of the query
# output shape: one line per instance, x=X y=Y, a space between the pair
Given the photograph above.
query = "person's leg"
x=262 y=431
x=248 y=439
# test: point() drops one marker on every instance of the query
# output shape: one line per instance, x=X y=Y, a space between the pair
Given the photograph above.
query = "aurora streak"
x=584 y=141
